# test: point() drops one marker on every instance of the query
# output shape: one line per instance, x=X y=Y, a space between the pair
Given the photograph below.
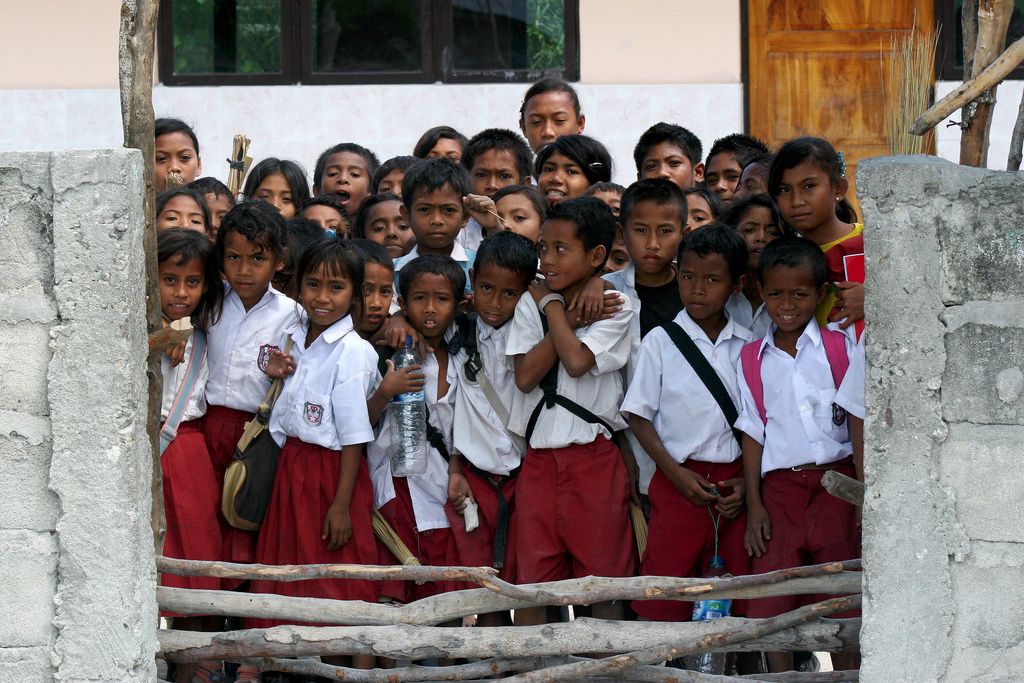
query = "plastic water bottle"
x=710 y=662
x=408 y=417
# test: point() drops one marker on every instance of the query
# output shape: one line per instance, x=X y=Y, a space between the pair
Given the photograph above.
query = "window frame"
x=437 y=32
x=945 y=56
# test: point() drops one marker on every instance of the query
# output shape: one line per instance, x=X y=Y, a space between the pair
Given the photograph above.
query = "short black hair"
x=794 y=252
x=186 y=245
x=590 y=155
x=302 y=233
x=256 y=221
x=433 y=174
x=717 y=238
x=657 y=190
x=434 y=264
x=210 y=185
x=401 y=163
x=340 y=259
x=528 y=191
x=546 y=85
x=712 y=198
x=744 y=146
x=184 y=191
x=293 y=175
x=681 y=137
x=359 y=229
x=372 y=252
x=741 y=206
x=321 y=161
x=502 y=140
x=508 y=250
x=603 y=187
x=594 y=221
x=330 y=200
x=166 y=126
x=430 y=138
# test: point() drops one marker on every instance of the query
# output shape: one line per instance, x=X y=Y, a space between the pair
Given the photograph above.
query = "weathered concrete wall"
x=943 y=521
x=76 y=556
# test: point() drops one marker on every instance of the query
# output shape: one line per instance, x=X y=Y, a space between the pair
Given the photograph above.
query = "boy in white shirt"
x=802 y=415
x=681 y=408
x=573 y=491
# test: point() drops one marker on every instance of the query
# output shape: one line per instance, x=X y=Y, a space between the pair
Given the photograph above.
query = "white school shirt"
x=478 y=433
x=429 y=491
x=464 y=257
x=324 y=401
x=739 y=309
x=799 y=394
x=599 y=390
x=239 y=346
x=667 y=391
x=471 y=235
x=174 y=376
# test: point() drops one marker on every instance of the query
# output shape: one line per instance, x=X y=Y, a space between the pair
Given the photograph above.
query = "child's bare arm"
x=280 y=365
x=481 y=208
x=531 y=367
x=694 y=487
x=577 y=358
x=458 y=485
x=629 y=460
x=759 y=525
x=395 y=382
x=337 y=529
x=850 y=301
x=589 y=302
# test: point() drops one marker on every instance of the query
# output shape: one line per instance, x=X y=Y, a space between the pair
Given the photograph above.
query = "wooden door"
x=815 y=68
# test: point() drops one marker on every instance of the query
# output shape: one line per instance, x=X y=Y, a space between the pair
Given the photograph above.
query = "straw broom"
x=240 y=162
x=391 y=540
x=907 y=89
x=636 y=515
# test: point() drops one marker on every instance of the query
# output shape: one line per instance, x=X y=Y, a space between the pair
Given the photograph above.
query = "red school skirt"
x=304 y=488
x=222 y=428
x=191 y=504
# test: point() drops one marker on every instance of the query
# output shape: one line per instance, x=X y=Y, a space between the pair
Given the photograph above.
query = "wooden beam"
x=844 y=487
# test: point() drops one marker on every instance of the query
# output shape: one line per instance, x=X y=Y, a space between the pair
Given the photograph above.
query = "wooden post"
x=993 y=21
x=135 y=74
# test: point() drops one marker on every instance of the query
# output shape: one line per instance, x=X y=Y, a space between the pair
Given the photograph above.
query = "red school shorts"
x=572 y=514
x=681 y=539
x=476 y=548
x=809 y=526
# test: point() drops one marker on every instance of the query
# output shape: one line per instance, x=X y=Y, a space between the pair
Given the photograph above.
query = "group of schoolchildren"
x=689 y=343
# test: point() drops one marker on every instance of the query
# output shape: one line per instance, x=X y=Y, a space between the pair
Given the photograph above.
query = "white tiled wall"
x=1008 y=97
x=298 y=122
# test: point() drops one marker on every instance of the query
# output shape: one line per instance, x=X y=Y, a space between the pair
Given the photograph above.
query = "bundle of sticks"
x=239 y=162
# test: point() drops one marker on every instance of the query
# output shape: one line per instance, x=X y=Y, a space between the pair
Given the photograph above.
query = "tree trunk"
x=993 y=21
x=135 y=75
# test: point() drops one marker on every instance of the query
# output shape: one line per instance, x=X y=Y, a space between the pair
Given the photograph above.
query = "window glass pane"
x=1015 y=31
x=508 y=34
x=227 y=36
x=366 y=36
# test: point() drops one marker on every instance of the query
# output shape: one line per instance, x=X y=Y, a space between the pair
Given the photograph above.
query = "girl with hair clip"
x=182 y=207
x=808 y=181
x=280 y=183
x=569 y=165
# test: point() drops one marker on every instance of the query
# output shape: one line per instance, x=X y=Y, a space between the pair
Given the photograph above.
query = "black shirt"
x=658 y=305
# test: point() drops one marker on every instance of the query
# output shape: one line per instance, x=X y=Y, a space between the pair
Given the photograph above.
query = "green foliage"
x=257 y=37
x=545 y=34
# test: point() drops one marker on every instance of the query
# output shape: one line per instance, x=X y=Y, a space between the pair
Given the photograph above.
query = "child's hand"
x=280 y=365
x=403 y=381
x=730 y=506
x=337 y=527
x=589 y=301
x=458 y=491
x=538 y=290
x=849 y=302
x=694 y=487
x=176 y=353
x=759 y=530
x=481 y=208
x=396 y=330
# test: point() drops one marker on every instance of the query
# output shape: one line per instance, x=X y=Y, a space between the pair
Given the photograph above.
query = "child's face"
x=564 y=262
x=618 y=257
x=182 y=285
x=347 y=175
x=446 y=148
x=548 y=116
x=326 y=296
x=722 y=175
x=496 y=292
x=790 y=296
x=698 y=212
x=181 y=211
x=705 y=285
x=610 y=197
x=665 y=160
x=386 y=225
x=430 y=305
x=378 y=289
x=753 y=180
x=436 y=218
x=757 y=228
x=807 y=197
x=275 y=190
x=519 y=215
x=493 y=170
x=392 y=182
x=561 y=178
x=328 y=217
x=652 y=236
x=248 y=267
x=175 y=153
x=217 y=205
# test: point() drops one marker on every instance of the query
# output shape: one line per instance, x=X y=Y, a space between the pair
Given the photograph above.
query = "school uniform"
x=471 y=235
x=492 y=455
x=240 y=344
x=464 y=257
x=572 y=493
x=191 y=492
x=414 y=505
x=667 y=391
x=321 y=409
x=806 y=434
x=739 y=308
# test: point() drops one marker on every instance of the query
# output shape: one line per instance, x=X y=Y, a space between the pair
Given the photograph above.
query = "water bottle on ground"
x=408 y=417
x=710 y=662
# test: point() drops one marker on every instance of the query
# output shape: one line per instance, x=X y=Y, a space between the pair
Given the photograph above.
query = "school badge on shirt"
x=314 y=413
x=263 y=359
x=838 y=415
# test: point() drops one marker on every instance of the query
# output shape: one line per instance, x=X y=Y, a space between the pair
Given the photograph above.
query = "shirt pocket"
x=263 y=344
x=315 y=416
x=829 y=416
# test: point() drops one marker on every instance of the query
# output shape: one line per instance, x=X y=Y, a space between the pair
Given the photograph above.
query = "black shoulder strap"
x=434 y=436
x=551 y=398
x=704 y=371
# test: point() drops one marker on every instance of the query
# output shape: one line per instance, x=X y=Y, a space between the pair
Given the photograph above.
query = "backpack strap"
x=750 y=361
x=705 y=372
x=473 y=369
x=434 y=436
x=835 y=351
x=188 y=383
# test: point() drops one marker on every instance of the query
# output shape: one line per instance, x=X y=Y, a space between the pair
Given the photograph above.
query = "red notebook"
x=853 y=267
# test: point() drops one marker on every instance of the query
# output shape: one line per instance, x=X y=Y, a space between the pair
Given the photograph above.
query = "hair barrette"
x=842 y=164
x=596 y=165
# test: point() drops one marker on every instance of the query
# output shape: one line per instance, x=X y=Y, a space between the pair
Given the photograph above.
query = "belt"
x=827 y=466
x=501 y=524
